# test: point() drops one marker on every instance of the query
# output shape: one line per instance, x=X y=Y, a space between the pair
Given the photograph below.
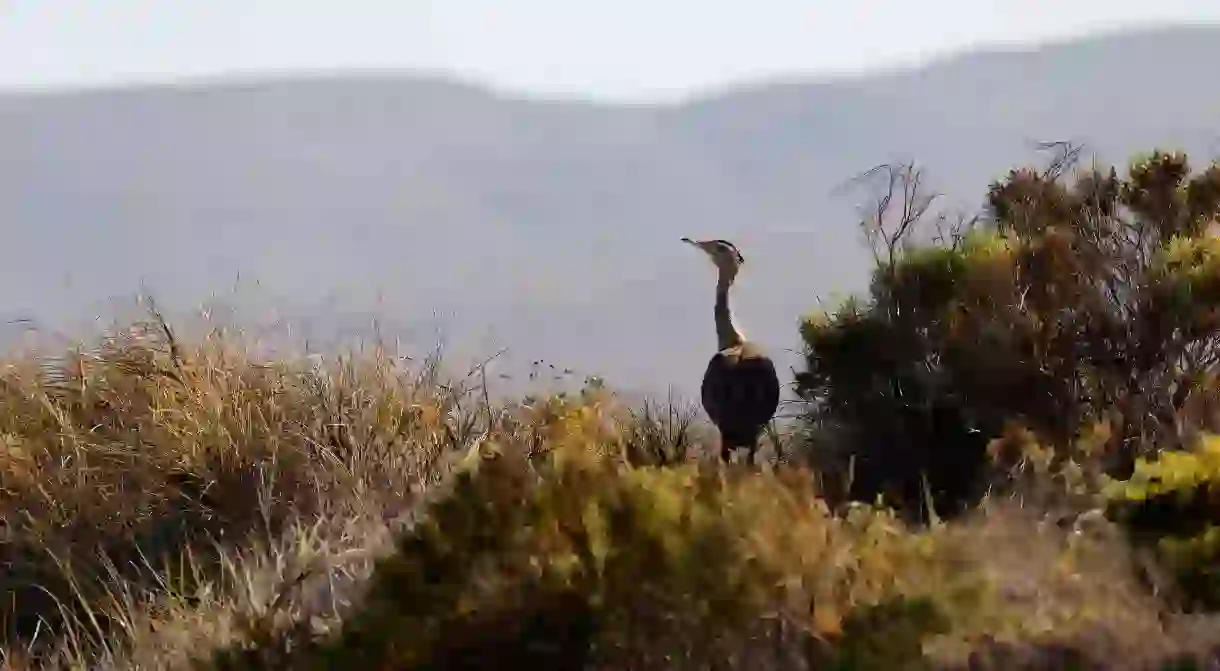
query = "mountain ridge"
x=551 y=225
x=234 y=81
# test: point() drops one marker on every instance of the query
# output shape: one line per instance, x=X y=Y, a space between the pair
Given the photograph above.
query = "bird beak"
x=695 y=243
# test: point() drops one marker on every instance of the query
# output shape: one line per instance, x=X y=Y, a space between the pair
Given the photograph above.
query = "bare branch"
x=1066 y=155
x=889 y=226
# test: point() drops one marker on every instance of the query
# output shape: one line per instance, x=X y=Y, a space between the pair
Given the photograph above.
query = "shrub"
x=581 y=558
x=1171 y=503
x=1071 y=302
x=576 y=560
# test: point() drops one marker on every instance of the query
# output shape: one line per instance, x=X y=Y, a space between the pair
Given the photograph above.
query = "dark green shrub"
x=1072 y=300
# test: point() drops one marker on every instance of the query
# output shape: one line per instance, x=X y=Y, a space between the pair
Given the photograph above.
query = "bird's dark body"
x=740 y=394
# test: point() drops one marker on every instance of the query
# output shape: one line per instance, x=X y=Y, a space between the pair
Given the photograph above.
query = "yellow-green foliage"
x=1193 y=257
x=1171 y=502
x=940 y=279
x=681 y=561
x=1177 y=474
x=928 y=278
x=1187 y=272
x=814 y=324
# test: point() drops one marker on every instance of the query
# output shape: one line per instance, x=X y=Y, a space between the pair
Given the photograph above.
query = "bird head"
x=722 y=253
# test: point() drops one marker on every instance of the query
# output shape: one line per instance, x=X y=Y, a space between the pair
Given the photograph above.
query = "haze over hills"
x=552 y=226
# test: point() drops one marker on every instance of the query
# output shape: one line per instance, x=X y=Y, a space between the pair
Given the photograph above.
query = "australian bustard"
x=740 y=390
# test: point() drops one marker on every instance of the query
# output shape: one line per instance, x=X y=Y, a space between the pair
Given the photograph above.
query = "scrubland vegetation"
x=1008 y=458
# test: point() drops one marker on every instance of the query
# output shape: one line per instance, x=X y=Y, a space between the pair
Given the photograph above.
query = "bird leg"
x=726 y=452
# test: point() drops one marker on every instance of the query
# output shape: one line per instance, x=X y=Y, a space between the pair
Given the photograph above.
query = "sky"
x=620 y=50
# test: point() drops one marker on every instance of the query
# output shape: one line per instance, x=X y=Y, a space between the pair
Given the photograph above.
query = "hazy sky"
x=620 y=49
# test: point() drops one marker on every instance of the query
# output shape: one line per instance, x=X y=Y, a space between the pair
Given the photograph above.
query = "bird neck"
x=727 y=334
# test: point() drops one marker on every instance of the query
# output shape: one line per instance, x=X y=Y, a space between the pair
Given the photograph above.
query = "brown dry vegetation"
x=165 y=502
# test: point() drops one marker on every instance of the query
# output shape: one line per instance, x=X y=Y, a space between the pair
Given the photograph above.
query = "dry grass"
x=145 y=456
x=161 y=500
x=141 y=471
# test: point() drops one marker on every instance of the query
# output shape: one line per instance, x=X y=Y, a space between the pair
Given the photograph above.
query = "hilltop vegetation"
x=1007 y=460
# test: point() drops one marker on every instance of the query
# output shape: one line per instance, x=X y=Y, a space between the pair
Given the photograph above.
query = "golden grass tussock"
x=168 y=504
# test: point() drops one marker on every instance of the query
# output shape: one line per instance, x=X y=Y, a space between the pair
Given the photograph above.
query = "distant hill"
x=554 y=225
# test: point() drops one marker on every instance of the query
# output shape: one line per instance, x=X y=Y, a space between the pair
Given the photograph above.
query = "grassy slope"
x=163 y=500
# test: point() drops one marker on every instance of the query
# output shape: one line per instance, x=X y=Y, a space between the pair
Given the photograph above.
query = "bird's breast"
x=743 y=352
